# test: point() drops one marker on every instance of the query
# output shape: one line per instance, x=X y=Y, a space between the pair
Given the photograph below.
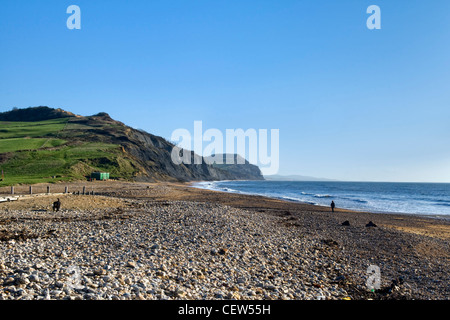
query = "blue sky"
x=350 y=103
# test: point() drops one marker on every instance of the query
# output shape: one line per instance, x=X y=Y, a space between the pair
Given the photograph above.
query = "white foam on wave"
x=229 y=190
x=298 y=200
x=214 y=186
x=205 y=185
x=366 y=200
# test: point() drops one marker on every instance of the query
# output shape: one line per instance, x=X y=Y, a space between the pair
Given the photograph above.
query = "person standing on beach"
x=332 y=206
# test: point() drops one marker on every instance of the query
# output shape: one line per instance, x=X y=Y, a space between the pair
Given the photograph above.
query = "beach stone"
x=22 y=280
x=371 y=224
x=234 y=288
x=270 y=287
x=100 y=272
x=136 y=288
x=210 y=251
x=34 y=278
x=330 y=242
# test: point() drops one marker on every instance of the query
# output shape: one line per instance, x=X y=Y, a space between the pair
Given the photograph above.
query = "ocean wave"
x=443 y=204
x=369 y=199
x=298 y=200
x=442 y=201
x=289 y=198
x=230 y=190
x=204 y=185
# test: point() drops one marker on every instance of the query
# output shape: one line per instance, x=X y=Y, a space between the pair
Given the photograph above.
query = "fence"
x=42 y=189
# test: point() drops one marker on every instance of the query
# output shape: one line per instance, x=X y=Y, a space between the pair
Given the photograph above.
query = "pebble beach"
x=141 y=241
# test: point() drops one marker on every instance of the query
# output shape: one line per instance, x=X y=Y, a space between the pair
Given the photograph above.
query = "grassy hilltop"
x=61 y=146
x=49 y=151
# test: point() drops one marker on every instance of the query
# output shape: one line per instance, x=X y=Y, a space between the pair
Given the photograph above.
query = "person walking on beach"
x=332 y=206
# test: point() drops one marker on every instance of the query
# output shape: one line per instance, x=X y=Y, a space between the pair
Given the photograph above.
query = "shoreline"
x=388 y=218
x=186 y=191
x=174 y=241
x=422 y=215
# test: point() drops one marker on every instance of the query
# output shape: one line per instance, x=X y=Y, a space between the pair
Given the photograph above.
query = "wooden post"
x=48 y=189
x=66 y=190
x=12 y=190
x=84 y=190
x=31 y=189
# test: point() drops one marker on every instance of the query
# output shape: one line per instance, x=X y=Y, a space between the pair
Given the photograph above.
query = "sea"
x=430 y=199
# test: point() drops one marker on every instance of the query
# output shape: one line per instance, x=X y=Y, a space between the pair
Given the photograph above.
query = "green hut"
x=100 y=175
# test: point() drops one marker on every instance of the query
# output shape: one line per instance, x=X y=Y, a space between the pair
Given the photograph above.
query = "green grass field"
x=66 y=163
x=33 y=162
x=39 y=129
x=19 y=136
x=19 y=144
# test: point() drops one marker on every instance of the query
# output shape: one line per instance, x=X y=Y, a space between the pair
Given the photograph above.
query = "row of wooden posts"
x=66 y=190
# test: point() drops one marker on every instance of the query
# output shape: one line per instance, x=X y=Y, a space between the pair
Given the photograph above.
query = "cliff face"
x=240 y=167
x=147 y=155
